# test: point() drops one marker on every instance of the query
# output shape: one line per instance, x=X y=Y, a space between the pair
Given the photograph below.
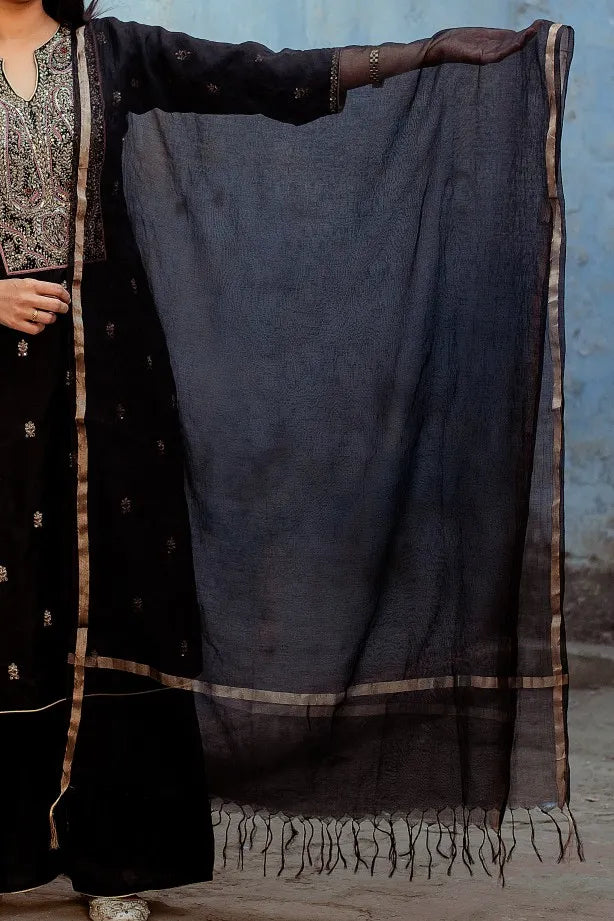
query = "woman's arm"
x=452 y=46
x=178 y=73
x=157 y=69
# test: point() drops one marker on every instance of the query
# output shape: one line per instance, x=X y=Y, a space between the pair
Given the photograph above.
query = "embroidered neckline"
x=35 y=55
x=36 y=162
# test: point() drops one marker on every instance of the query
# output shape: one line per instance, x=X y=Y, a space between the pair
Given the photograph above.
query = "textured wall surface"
x=588 y=166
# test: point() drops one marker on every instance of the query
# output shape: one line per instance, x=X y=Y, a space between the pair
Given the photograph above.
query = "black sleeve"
x=178 y=73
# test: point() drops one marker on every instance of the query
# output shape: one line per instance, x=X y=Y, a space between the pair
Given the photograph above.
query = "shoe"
x=119 y=909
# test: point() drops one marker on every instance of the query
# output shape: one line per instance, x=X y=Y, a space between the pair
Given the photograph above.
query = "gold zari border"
x=374 y=689
x=85 y=131
x=554 y=336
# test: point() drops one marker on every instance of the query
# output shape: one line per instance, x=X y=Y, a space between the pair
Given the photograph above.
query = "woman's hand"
x=475 y=45
x=28 y=305
x=452 y=46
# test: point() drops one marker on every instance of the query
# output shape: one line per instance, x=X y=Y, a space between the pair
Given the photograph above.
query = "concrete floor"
x=533 y=892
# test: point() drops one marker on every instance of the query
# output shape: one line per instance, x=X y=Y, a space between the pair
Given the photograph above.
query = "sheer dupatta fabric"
x=365 y=322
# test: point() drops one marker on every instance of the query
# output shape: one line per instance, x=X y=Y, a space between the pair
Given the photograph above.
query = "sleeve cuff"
x=337 y=95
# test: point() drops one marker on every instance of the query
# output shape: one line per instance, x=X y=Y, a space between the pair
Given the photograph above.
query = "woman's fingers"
x=52 y=304
x=50 y=289
x=37 y=315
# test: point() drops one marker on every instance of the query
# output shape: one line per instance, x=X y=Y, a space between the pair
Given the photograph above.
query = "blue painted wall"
x=588 y=167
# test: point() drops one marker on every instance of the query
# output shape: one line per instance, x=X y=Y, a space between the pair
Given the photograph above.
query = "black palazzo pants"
x=136 y=815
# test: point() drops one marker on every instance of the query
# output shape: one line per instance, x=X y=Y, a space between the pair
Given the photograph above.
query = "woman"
x=95 y=556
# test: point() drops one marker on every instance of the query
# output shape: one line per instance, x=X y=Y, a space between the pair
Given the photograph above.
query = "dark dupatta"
x=365 y=322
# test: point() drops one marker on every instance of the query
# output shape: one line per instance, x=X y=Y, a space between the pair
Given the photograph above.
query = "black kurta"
x=94 y=528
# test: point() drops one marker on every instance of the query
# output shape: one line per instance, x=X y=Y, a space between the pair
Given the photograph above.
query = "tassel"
x=54 y=842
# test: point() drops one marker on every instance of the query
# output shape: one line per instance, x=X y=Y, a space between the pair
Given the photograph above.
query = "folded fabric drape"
x=365 y=320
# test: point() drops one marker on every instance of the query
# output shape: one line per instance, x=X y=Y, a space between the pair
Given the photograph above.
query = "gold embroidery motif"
x=72 y=458
x=213 y=88
x=120 y=411
x=149 y=361
x=117 y=97
x=301 y=92
x=126 y=506
x=137 y=604
x=134 y=285
x=161 y=446
x=36 y=162
x=110 y=330
x=30 y=429
x=171 y=545
x=13 y=672
x=22 y=348
x=69 y=378
x=183 y=649
x=182 y=54
x=4 y=576
x=47 y=618
x=38 y=519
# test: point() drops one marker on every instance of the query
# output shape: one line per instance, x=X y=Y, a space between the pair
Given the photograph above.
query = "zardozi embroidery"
x=36 y=154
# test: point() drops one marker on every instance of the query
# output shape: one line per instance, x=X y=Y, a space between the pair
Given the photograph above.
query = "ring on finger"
x=34 y=314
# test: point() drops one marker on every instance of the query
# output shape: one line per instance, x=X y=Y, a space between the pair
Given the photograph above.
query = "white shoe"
x=110 y=909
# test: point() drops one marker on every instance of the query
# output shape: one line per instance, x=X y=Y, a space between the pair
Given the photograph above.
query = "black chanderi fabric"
x=357 y=316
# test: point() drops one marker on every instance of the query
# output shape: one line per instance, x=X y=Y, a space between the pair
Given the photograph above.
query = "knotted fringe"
x=417 y=843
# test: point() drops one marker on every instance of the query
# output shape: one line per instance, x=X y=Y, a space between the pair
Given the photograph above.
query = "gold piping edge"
x=63 y=700
x=82 y=450
x=554 y=286
x=289 y=698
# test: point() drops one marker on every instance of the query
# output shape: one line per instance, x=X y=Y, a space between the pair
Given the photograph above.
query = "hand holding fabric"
x=451 y=46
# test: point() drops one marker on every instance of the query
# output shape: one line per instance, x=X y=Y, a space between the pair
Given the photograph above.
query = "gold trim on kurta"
x=554 y=336
x=374 y=689
x=80 y=404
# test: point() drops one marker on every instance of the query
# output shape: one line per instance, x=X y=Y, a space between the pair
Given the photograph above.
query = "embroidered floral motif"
x=30 y=429
x=259 y=59
x=47 y=618
x=126 y=506
x=13 y=672
x=137 y=604
x=4 y=576
x=301 y=92
x=182 y=54
x=134 y=285
x=69 y=377
x=149 y=361
x=160 y=446
x=36 y=153
x=183 y=649
x=22 y=348
x=171 y=545
x=110 y=330
x=72 y=460
x=213 y=88
x=117 y=97
x=120 y=412
x=38 y=519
